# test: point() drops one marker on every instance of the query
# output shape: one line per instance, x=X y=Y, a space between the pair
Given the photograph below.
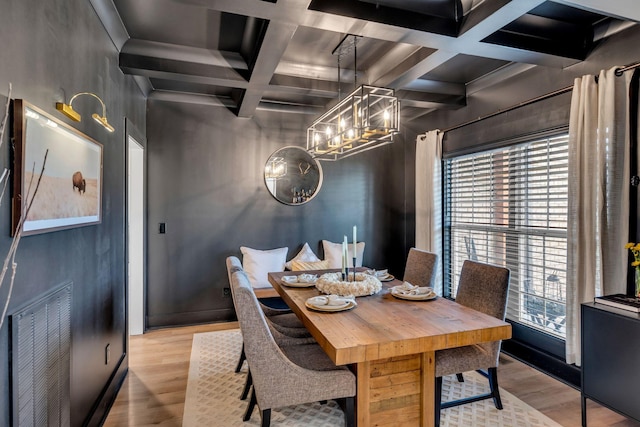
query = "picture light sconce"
x=68 y=111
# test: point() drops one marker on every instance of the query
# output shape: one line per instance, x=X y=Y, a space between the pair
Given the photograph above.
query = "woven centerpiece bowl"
x=332 y=283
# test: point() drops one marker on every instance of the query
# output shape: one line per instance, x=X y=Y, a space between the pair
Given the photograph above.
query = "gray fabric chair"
x=285 y=326
x=285 y=321
x=420 y=268
x=290 y=375
x=233 y=265
x=484 y=288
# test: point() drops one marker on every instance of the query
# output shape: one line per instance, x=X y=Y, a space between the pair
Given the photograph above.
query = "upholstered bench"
x=258 y=263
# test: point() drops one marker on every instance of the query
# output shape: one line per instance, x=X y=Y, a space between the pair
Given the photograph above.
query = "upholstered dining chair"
x=484 y=288
x=284 y=320
x=285 y=326
x=420 y=267
x=288 y=375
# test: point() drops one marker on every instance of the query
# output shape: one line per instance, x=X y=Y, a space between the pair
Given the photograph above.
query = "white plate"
x=387 y=278
x=329 y=308
x=424 y=297
x=291 y=281
x=298 y=284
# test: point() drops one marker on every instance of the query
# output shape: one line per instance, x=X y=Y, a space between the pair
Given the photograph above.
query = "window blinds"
x=509 y=207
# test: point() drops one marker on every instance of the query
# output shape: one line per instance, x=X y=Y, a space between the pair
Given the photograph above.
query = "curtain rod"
x=618 y=73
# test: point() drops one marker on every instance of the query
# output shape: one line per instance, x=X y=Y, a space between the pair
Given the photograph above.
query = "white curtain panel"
x=429 y=197
x=598 y=195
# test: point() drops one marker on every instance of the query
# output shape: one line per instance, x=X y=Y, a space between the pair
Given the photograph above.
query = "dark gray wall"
x=51 y=50
x=206 y=183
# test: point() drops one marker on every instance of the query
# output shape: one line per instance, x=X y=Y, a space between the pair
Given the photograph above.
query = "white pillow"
x=333 y=253
x=257 y=264
x=305 y=254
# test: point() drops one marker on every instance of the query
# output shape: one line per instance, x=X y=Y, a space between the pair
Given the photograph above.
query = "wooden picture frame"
x=70 y=192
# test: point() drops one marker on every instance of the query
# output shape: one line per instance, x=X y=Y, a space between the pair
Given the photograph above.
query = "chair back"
x=277 y=381
x=420 y=268
x=484 y=287
x=263 y=354
x=233 y=265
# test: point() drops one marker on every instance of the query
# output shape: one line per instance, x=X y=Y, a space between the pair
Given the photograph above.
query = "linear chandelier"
x=367 y=118
x=276 y=168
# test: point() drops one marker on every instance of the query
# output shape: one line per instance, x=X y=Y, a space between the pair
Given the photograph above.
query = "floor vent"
x=41 y=361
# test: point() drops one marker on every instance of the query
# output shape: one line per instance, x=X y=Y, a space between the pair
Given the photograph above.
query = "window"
x=509 y=207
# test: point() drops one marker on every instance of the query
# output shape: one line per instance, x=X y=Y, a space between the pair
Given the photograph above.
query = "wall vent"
x=41 y=361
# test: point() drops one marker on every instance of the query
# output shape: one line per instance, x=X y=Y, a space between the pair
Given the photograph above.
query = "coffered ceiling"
x=250 y=55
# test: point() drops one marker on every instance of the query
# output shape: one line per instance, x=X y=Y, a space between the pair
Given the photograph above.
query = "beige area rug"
x=214 y=388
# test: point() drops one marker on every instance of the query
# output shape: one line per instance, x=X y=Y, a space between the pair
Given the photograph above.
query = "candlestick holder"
x=354 y=269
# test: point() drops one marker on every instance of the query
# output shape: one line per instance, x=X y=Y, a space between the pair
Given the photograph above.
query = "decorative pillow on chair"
x=257 y=264
x=333 y=253
x=308 y=265
x=305 y=254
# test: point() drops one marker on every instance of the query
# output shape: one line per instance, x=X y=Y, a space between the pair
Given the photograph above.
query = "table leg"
x=363 y=375
x=396 y=391
x=427 y=389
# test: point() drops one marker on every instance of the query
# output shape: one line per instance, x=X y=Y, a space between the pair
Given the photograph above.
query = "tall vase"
x=637 y=282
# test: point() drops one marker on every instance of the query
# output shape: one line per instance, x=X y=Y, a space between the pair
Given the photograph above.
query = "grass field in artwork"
x=57 y=198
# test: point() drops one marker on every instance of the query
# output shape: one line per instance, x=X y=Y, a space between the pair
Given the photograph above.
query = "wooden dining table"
x=391 y=343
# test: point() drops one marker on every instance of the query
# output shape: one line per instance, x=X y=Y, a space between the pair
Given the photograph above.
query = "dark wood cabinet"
x=611 y=359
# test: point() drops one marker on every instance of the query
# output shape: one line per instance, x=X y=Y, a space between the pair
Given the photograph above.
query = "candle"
x=344 y=255
x=354 y=244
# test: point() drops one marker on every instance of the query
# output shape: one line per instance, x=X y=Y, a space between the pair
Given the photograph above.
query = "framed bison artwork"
x=70 y=190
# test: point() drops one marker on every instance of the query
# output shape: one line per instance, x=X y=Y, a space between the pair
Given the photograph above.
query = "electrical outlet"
x=226 y=292
x=107 y=354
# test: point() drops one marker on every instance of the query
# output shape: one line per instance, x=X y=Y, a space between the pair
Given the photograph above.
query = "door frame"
x=132 y=133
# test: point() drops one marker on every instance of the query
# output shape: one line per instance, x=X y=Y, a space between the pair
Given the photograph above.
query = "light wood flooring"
x=154 y=390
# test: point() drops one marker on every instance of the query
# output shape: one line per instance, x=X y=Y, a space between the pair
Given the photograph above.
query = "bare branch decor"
x=4 y=179
x=11 y=255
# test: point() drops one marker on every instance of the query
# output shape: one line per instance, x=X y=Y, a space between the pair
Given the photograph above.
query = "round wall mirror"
x=292 y=176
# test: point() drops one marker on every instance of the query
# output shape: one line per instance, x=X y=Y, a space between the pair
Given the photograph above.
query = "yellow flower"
x=629 y=245
x=635 y=264
x=636 y=247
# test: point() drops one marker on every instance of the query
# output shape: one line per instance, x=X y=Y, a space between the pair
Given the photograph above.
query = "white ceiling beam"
x=434 y=86
x=184 y=53
x=277 y=37
x=395 y=61
x=276 y=12
x=188 y=78
x=191 y=98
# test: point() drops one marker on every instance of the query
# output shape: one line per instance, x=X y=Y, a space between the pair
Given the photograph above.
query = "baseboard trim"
x=190 y=318
x=101 y=408
x=542 y=361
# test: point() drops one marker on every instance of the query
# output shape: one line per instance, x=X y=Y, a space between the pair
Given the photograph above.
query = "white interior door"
x=135 y=233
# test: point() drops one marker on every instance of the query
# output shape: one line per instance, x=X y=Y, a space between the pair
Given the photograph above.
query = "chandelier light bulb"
x=354 y=123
